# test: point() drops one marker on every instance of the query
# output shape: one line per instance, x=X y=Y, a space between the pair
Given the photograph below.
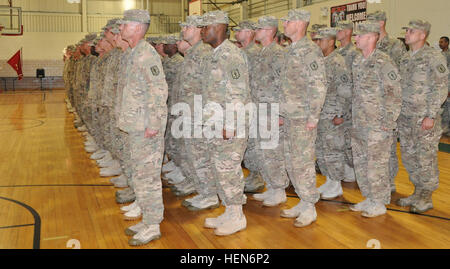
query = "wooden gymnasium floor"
x=51 y=192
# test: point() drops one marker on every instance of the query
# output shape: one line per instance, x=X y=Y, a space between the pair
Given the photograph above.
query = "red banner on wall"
x=355 y=12
x=16 y=63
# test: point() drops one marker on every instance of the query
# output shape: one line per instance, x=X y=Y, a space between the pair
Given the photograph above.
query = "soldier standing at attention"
x=330 y=143
x=375 y=108
x=143 y=116
x=226 y=82
x=303 y=91
x=196 y=148
x=349 y=51
x=424 y=90
x=443 y=44
x=245 y=36
x=265 y=88
x=394 y=48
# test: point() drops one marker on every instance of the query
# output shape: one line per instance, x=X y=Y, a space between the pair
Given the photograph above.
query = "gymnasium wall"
x=50 y=25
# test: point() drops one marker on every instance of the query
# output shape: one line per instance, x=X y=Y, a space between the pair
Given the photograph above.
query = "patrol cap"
x=297 y=15
x=215 y=17
x=90 y=36
x=419 y=25
x=96 y=40
x=315 y=27
x=111 y=23
x=193 y=20
x=266 y=22
x=158 y=40
x=342 y=25
x=327 y=32
x=366 y=28
x=170 y=40
x=71 y=48
x=151 y=39
x=115 y=29
x=244 y=25
x=378 y=15
x=135 y=15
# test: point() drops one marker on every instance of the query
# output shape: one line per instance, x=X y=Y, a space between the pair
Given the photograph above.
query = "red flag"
x=16 y=63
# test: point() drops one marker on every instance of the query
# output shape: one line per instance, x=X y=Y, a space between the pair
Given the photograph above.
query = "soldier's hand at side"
x=338 y=121
x=311 y=126
x=427 y=123
x=149 y=133
x=280 y=121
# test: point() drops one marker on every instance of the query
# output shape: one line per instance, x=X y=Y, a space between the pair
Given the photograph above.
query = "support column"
x=84 y=21
x=244 y=10
x=183 y=10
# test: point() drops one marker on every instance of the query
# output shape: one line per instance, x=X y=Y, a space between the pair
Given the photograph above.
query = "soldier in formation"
x=149 y=111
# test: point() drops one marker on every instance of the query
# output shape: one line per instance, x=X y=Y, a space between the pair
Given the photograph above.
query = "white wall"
x=51 y=25
x=52 y=33
x=399 y=12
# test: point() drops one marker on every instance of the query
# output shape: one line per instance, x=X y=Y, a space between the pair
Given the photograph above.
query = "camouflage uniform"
x=86 y=70
x=226 y=81
x=103 y=104
x=424 y=90
x=250 y=156
x=108 y=95
x=95 y=86
x=70 y=78
x=376 y=105
x=121 y=140
x=196 y=160
x=330 y=143
x=144 y=107
x=303 y=94
x=171 y=68
x=66 y=76
x=394 y=48
x=77 y=85
x=349 y=52
x=265 y=89
x=446 y=107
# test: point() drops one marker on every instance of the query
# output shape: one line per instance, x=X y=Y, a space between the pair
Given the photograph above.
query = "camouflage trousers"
x=419 y=149
x=347 y=125
x=87 y=115
x=250 y=156
x=68 y=91
x=393 y=159
x=146 y=156
x=198 y=165
x=226 y=158
x=371 y=149
x=330 y=149
x=446 y=117
x=251 y=163
x=96 y=125
x=299 y=154
x=170 y=143
x=76 y=99
x=271 y=162
x=122 y=153
x=104 y=132
x=105 y=118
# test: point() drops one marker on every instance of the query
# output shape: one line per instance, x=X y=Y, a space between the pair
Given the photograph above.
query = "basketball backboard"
x=11 y=21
